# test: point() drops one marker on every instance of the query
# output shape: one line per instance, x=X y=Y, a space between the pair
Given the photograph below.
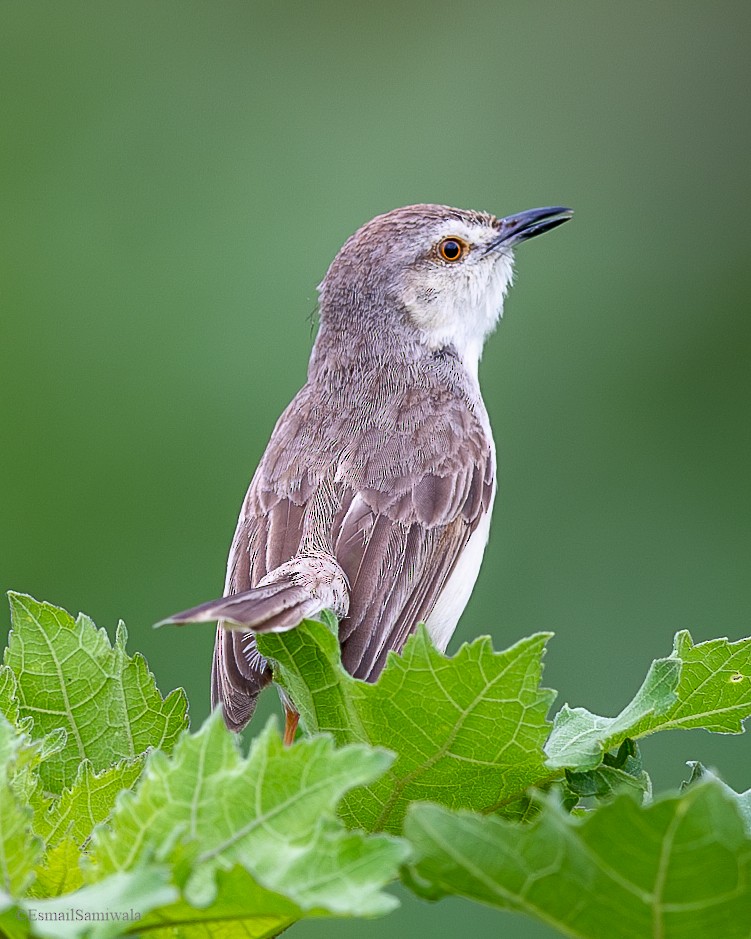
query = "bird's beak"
x=524 y=225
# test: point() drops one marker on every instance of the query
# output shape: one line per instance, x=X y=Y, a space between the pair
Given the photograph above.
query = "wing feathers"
x=391 y=473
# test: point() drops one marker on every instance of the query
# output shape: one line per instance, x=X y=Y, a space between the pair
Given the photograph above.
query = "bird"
x=374 y=495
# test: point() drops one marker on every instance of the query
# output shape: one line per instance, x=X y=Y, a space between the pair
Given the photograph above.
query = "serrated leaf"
x=468 y=731
x=714 y=691
x=88 y=802
x=69 y=676
x=706 y=685
x=679 y=868
x=273 y=812
x=19 y=848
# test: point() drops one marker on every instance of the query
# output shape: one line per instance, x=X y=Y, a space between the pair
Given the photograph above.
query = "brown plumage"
x=381 y=469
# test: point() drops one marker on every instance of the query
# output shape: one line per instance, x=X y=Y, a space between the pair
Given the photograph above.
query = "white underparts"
x=456 y=593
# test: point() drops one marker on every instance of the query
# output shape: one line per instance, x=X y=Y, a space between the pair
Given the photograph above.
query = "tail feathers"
x=295 y=591
x=273 y=608
x=239 y=672
x=238 y=675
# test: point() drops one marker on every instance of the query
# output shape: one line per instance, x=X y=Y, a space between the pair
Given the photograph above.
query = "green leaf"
x=468 y=731
x=117 y=905
x=679 y=868
x=274 y=813
x=8 y=701
x=13 y=923
x=69 y=676
x=88 y=802
x=714 y=691
x=19 y=848
x=241 y=908
x=619 y=771
x=59 y=871
x=706 y=685
x=742 y=799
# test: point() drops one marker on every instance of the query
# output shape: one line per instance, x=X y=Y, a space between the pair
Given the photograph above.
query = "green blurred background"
x=176 y=177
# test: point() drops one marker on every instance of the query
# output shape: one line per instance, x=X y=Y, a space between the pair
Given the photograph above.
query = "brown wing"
x=392 y=480
x=398 y=555
x=261 y=543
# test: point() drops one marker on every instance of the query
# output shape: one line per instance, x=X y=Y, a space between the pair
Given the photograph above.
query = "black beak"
x=524 y=225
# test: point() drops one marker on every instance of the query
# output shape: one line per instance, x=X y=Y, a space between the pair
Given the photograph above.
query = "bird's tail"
x=282 y=600
x=272 y=608
x=295 y=591
x=239 y=673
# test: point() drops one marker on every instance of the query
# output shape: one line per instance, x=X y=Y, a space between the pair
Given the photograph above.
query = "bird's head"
x=438 y=271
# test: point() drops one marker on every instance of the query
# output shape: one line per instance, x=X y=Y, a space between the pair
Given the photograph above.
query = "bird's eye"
x=452 y=249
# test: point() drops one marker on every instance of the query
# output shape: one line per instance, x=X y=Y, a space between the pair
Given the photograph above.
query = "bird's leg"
x=291 y=717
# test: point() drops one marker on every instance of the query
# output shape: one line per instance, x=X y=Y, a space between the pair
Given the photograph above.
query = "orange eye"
x=452 y=249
